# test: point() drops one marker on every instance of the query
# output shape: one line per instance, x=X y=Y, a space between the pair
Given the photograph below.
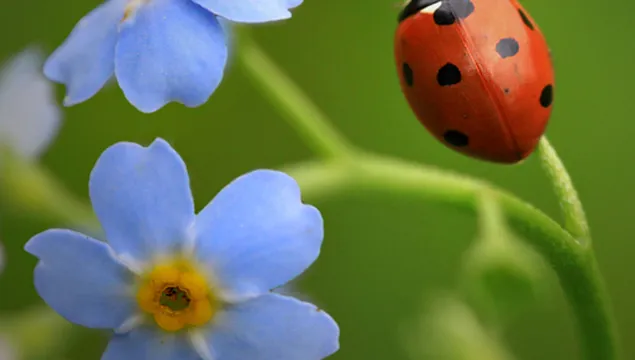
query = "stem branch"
x=349 y=170
x=574 y=218
x=306 y=118
x=575 y=267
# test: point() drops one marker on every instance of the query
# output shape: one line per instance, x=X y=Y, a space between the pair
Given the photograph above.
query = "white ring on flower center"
x=200 y=345
x=130 y=324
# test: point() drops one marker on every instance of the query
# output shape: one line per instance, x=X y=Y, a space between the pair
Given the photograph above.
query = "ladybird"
x=477 y=74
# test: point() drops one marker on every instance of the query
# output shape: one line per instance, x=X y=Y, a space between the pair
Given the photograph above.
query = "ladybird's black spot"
x=507 y=47
x=413 y=7
x=506 y=91
x=546 y=96
x=407 y=74
x=443 y=16
x=451 y=10
x=456 y=138
x=448 y=75
x=525 y=19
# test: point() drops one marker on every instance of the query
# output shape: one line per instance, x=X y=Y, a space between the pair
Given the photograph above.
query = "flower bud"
x=502 y=275
x=505 y=277
x=451 y=331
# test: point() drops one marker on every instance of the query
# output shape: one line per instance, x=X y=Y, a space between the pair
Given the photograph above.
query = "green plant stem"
x=492 y=224
x=574 y=218
x=307 y=119
x=25 y=185
x=37 y=332
x=347 y=170
x=574 y=265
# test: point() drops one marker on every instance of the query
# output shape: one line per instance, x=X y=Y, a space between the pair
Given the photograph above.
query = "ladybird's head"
x=412 y=7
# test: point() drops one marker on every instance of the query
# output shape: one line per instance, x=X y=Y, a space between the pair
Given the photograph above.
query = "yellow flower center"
x=177 y=296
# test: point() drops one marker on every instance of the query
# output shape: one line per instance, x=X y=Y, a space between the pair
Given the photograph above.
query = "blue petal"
x=170 y=51
x=256 y=234
x=144 y=343
x=86 y=60
x=247 y=11
x=273 y=327
x=142 y=199
x=29 y=113
x=80 y=279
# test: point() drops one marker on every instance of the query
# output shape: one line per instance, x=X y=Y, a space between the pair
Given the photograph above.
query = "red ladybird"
x=477 y=74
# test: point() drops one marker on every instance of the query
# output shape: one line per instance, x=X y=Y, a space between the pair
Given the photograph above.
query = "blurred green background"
x=382 y=257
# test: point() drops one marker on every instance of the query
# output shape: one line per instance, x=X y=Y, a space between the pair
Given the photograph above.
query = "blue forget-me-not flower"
x=175 y=285
x=30 y=117
x=159 y=50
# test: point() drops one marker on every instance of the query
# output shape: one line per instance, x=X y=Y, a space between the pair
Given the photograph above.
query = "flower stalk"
x=574 y=217
x=306 y=118
x=362 y=172
x=345 y=169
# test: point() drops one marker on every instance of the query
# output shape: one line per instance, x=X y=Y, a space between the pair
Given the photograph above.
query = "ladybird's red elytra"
x=477 y=74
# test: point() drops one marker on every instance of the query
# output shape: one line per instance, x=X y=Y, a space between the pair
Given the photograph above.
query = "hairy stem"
x=306 y=118
x=574 y=218
x=350 y=170
x=575 y=267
